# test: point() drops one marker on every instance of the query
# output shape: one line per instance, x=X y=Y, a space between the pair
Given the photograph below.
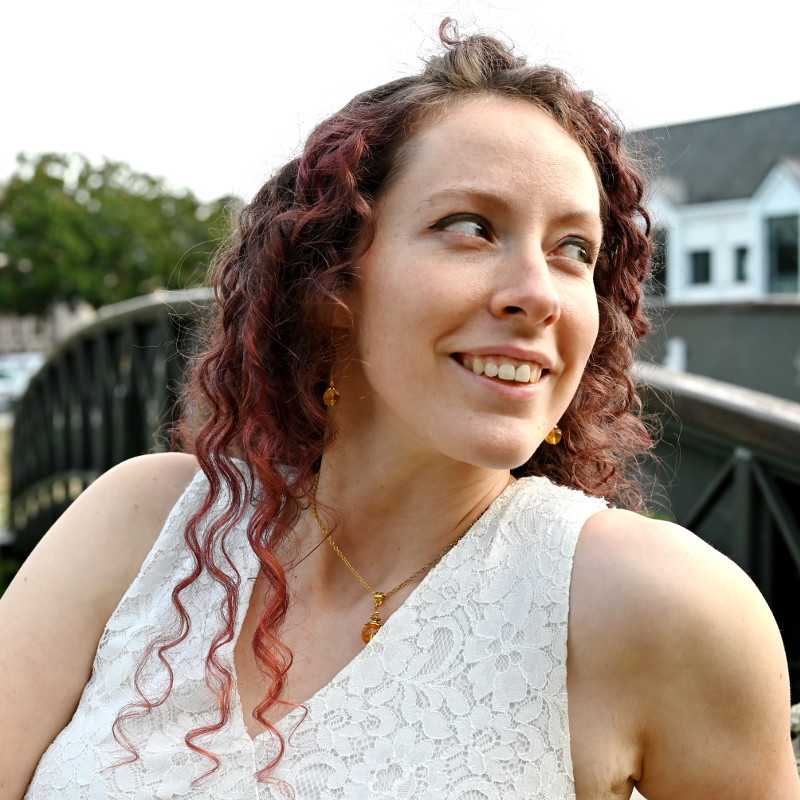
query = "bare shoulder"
x=693 y=656
x=665 y=584
x=670 y=570
x=64 y=594
x=110 y=528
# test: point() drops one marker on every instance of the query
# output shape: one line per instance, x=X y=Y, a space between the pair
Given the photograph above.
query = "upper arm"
x=54 y=612
x=709 y=674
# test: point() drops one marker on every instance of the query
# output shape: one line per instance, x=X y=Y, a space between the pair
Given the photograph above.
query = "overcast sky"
x=214 y=96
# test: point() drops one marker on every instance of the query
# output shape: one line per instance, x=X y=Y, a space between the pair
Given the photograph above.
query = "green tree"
x=69 y=230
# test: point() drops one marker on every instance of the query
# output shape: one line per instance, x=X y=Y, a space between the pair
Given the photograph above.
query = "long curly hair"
x=255 y=392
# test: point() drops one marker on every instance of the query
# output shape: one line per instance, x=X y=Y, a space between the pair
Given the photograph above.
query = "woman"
x=454 y=265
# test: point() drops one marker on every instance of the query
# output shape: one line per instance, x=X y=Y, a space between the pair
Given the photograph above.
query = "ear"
x=341 y=320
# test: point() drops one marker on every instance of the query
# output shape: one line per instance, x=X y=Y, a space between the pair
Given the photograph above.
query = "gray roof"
x=720 y=159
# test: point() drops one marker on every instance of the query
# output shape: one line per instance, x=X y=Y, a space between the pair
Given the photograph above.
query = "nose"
x=526 y=289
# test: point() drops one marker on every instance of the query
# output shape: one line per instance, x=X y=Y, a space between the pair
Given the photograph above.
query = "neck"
x=392 y=513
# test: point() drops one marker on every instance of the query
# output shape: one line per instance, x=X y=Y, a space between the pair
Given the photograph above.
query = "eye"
x=577 y=249
x=465 y=224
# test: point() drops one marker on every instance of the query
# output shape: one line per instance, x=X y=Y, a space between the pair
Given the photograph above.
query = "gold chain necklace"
x=374 y=623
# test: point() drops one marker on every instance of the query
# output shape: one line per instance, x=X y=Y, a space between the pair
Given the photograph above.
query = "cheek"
x=384 y=324
x=593 y=325
x=584 y=322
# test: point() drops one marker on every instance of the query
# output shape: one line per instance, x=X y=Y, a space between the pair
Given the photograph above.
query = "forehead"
x=503 y=146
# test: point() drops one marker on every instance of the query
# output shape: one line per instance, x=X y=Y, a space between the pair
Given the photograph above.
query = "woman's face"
x=475 y=305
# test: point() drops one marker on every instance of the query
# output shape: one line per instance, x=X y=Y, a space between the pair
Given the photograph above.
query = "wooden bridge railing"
x=729 y=470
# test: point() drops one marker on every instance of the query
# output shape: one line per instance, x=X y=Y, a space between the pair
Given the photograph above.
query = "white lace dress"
x=461 y=695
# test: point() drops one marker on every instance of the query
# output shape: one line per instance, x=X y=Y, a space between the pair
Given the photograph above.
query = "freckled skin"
x=505 y=271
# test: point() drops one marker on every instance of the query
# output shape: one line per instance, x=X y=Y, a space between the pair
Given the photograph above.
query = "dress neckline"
x=287 y=724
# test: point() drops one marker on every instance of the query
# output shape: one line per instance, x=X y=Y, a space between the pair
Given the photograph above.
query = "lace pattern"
x=461 y=695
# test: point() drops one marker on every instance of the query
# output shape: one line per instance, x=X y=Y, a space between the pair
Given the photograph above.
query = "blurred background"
x=213 y=98
x=132 y=133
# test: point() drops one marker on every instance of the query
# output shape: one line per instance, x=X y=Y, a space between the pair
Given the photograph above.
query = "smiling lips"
x=505 y=369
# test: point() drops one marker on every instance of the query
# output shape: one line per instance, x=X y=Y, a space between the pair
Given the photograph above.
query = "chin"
x=500 y=457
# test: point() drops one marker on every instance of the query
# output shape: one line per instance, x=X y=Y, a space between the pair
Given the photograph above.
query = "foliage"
x=69 y=230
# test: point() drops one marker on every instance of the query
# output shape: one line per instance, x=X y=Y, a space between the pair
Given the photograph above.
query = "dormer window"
x=783 y=244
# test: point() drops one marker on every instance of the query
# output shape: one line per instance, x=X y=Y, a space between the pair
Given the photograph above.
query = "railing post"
x=764 y=573
x=741 y=540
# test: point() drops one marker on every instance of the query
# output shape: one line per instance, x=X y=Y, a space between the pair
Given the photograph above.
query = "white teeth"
x=522 y=373
x=506 y=372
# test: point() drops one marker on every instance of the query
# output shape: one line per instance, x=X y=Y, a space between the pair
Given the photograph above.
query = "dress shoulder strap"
x=162 y=562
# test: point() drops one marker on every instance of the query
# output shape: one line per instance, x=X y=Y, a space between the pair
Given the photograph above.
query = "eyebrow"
x=576 y=217
x=464 y=191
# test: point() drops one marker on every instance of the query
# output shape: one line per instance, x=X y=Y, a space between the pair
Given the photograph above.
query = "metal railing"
x=728 y=464
x=102 y=396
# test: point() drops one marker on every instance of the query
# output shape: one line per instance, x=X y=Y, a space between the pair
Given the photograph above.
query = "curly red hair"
x=255 y=392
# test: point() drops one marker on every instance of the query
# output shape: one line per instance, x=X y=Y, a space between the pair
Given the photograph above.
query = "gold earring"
x=331 y=395
x=554 y=437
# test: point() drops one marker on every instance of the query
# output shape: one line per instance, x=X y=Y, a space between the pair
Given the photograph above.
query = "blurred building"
x=40 y=333
x=726 y=205
x=725 y=294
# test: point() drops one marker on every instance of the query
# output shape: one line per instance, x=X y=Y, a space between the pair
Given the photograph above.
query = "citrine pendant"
x=330 y=396
x=369 y=630
x=374 y=623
